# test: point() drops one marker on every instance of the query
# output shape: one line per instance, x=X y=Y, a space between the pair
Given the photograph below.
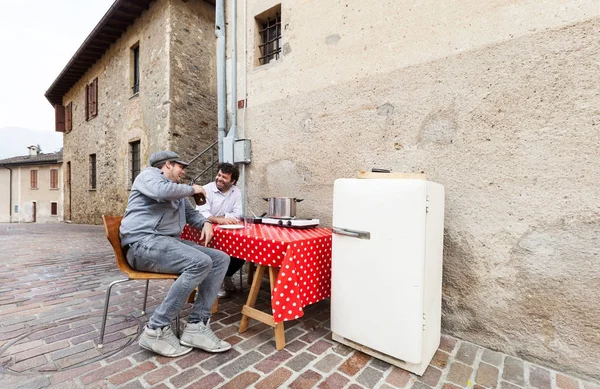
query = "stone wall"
x=496 y=100
x=193 y=79
x=122 y=117
x=174 y=109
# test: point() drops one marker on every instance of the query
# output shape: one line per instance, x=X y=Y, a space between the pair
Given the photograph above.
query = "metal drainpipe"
x=243 y=132
x=233 y=130
x=221 y=68
x=9 y=195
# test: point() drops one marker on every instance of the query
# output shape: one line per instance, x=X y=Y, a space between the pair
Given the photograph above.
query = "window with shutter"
x=59 y=118
x=91 y=100
x=94 y=97
x=69 y=117
x=33 y=179
x=53 y=178
x=87 y=102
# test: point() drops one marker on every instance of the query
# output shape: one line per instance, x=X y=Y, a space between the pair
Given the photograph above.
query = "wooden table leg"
x=279 y=328
x=248 y=310
x=254 y=289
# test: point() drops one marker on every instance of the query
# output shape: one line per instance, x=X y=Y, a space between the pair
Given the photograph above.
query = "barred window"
x=269 y=30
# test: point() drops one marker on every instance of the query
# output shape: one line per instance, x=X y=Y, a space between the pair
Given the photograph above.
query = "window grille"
x=270 y=37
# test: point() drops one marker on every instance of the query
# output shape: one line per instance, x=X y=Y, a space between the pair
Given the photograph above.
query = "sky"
x=37 y=39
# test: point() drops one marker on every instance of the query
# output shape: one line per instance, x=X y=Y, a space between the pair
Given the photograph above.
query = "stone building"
x=142 y=81
x=31 y=188
x=496 y=100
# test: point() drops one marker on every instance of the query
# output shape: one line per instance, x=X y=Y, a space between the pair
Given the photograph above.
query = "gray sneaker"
x=162 y=341
x=223 y=293
x=201 y=336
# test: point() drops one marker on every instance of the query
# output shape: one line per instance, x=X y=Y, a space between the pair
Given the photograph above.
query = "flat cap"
x=164 y=156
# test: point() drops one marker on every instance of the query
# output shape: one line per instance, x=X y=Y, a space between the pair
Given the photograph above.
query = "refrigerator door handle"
x=352 y=233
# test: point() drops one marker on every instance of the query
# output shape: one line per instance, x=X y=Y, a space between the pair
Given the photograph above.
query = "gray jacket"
x=157 y=206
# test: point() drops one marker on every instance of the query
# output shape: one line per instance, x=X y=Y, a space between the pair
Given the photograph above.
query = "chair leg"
x=145 y=297
x=104 y=316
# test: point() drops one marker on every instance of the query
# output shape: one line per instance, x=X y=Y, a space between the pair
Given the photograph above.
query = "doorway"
x=34 y=211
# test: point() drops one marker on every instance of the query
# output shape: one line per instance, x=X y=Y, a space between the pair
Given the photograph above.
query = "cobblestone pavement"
x=53 y=280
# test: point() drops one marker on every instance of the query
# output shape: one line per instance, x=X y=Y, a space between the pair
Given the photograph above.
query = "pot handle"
x=266 y=198
x=298 y=200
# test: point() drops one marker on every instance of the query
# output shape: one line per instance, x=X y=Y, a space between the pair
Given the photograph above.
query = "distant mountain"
x=15 y=141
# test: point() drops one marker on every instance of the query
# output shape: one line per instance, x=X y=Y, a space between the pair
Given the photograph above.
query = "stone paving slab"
x=52 y=284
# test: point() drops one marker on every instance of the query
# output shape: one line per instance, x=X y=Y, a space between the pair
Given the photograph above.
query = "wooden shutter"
x=59 y=118
x=69 y=117
x=87 y=102
x=95 y=97
x=53 y=178
x=33 y=179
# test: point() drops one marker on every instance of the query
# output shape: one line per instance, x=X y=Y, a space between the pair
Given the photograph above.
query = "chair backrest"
x=111 y=227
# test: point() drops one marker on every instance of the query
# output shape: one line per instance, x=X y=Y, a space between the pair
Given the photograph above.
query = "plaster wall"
x=496 y=100
x=24 y=196
x=4 y=195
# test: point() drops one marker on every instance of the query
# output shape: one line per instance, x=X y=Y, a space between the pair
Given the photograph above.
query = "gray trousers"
x=197 y=265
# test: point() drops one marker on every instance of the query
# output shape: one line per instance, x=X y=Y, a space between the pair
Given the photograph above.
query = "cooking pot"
x=282 y=207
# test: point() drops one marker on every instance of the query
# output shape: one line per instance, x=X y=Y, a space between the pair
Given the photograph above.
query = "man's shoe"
x=201 y=336
x=228 y=284
x=162 y=341
x=223 y=294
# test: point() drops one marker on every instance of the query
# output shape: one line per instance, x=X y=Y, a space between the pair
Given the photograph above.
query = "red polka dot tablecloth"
x=303 y=256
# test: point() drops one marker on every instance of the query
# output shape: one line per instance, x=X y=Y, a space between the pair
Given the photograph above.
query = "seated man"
x=224 y=206
x=156 y=213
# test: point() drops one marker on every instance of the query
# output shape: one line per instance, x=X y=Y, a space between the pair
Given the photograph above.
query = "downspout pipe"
x=9 y=195
x=233 y=129
x=221 y=68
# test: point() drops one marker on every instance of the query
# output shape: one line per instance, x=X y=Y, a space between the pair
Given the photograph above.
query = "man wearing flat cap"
x=156 y=213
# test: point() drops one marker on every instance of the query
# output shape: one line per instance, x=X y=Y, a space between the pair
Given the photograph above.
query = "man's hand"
x=224 y=220
x=207 y=233
x=229 y=220
x=198 y=189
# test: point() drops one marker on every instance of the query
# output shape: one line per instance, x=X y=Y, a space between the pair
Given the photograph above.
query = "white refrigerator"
x=386 y=279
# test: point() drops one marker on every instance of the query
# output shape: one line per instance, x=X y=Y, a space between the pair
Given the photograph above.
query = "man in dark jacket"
x=156 y=213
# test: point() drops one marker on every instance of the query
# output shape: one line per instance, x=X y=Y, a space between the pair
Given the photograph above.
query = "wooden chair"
x=111 y=227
